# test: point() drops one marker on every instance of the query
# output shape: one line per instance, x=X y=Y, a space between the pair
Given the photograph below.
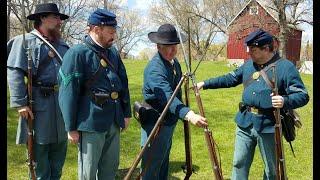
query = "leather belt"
x=54 y=87
x=101 y=98
x=255 y=110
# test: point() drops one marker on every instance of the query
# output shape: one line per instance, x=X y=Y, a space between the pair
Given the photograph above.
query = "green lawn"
x=220 y=108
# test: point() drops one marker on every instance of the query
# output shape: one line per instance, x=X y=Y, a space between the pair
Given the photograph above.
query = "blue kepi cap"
x=102 y=17
x=258 y=38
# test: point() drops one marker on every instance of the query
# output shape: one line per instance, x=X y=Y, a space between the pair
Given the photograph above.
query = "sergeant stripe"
x=295 y=89
x=233 y=73
x=67 y=79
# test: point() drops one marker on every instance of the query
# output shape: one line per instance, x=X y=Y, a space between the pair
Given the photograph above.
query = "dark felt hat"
x=166 y=35
x=46 y=8
x=258 y=38
x=102 y=17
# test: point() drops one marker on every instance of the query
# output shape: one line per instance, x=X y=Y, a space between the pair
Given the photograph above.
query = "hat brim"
x=34 y=16
x=155 y=38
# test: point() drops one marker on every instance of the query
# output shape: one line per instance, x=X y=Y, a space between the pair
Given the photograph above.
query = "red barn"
x=257 y=14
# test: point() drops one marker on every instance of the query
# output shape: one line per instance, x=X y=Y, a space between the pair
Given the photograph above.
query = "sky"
x=144 y=5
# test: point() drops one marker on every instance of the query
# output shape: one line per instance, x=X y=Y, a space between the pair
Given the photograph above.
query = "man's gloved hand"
x=196 y=119
x=200 y=85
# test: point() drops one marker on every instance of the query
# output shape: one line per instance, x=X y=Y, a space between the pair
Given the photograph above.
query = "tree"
x=130 y=31
x=72 y=28
x=208 y=19
x=15 y=7
x=130 y=24
x=291 y=13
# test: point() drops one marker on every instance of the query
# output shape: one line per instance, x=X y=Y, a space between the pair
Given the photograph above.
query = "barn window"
x=253 y=10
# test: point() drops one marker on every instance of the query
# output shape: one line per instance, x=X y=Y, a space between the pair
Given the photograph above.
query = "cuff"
x=187 y=117
x=16 y=102
x=206 y=84
x=183 y=112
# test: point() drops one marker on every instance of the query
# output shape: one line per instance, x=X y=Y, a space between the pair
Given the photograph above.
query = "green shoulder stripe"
x=66 y=79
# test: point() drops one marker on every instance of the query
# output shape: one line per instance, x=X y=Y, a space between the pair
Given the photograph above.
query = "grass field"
x=220 y=108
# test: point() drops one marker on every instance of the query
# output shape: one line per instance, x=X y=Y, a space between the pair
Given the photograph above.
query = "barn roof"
x=269 y=7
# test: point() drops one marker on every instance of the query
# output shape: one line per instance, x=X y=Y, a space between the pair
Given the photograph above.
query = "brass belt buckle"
x=114 y=95
x=254 y=110
x=56 y=87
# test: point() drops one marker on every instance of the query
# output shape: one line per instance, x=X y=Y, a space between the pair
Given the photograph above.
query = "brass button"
x=56 y=87
x=103 y=63
x=114 y=95
x=255 y=75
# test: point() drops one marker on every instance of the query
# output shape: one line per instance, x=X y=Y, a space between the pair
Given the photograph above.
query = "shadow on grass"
x=174 y=167
x=122 y=173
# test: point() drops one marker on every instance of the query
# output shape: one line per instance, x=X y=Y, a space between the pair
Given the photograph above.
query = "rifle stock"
x=31 y=162
x=280 y=160
x=208 y=136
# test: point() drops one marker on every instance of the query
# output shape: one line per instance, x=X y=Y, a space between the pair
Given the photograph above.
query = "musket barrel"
x=31 y=163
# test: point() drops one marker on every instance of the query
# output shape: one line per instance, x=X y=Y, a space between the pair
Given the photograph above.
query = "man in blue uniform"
x=50 y=137
x=255 y=119
x=94 y=98
x=161 y=76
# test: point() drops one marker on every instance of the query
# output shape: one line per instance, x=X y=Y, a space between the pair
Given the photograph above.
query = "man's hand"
x=277 y=101
x=126 y=124
x=200 y=85
x=196 y=119
x=73 y=136
x=25 y=112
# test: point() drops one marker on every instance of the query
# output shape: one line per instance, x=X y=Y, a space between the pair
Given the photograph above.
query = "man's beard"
x=54 y=34
x=105 y=44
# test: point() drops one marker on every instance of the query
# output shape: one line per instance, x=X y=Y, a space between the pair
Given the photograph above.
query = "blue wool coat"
x=257 y=93
x=158 y=86
x=48 y=123
x=79 y=111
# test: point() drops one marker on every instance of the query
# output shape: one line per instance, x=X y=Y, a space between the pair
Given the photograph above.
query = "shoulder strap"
x=59 y=58
x=104 y=62
x=262 y=72
x=266 y=79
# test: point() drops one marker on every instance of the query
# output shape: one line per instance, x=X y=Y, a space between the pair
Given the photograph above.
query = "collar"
x=93 y=44
x=274 y=58
x=96 y=42
x=171 y=63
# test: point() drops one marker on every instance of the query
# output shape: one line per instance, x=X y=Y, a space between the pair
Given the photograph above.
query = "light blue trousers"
x=49 y=159
x=98 y=156
x=155 y=160
x=245 y=144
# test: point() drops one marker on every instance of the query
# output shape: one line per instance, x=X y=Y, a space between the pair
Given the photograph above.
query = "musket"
x=280 y=160
x=208 y=134
x=187 y=168
x=30 y=161
x=155 y=129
